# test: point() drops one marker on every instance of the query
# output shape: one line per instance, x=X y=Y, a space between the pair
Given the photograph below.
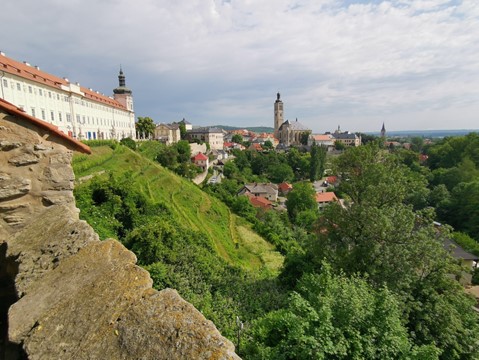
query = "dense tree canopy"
x=145 y=127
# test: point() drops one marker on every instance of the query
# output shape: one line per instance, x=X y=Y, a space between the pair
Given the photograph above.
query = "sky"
x=410 y=64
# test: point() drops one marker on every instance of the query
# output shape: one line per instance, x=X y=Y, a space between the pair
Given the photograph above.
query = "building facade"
x=79 y=112
x=213 y=136
x=168 y=133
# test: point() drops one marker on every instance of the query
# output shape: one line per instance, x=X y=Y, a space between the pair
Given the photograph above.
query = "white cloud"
x=330 y=57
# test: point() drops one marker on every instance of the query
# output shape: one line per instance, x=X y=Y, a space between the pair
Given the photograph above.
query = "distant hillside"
x=256 y=129
x=424 y=133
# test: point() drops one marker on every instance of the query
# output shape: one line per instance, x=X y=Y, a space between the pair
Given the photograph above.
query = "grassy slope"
x=232 y=236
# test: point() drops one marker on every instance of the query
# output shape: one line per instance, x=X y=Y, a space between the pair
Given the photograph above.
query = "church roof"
x=294 y=125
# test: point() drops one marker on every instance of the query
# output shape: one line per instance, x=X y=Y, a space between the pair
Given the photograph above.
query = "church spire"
x=383 y=131
x=121 y=89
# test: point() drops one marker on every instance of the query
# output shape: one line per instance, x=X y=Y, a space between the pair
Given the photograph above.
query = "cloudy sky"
x=412 y=64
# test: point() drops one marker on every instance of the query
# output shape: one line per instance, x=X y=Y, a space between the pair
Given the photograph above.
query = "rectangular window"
x=30 y=90
x=40 y=92
x=69 y=117
x=43 y=114
x=52 y=115
x=58 y=96
x=33 y=112
x=19 y=88
x=50 y=94
x=60 y=116
x=5 y=83
x=78 y=119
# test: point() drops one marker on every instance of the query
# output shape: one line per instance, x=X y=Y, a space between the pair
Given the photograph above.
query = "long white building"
x=81 y=113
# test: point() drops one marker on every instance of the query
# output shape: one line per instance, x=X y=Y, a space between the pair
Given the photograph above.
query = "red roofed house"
x=325 y=198
x=284 y=188
x=260 y=202
x=201 y=160
x=79 y=112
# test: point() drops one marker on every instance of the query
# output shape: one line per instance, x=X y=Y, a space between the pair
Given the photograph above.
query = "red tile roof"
x=326 y=197
x=285 y=187
x=33 y=73
x=200 y=156
x=259 y=201
x=15 y=111
x=332 y=179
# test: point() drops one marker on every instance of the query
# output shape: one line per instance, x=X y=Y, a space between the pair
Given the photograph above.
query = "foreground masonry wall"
x=69 y=295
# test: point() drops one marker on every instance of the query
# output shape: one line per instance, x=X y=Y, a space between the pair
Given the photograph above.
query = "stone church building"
x=289 y=133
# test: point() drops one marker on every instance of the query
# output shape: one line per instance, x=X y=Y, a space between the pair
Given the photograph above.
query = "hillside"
x=187 y=239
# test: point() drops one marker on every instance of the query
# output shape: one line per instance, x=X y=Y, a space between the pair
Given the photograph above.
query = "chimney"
x=66 y=79
x=26 y=63
x=2 y=53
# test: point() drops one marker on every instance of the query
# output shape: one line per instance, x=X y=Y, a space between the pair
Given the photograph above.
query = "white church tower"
x=278 y=115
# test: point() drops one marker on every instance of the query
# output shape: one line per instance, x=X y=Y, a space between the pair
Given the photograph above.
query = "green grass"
x=231 y=236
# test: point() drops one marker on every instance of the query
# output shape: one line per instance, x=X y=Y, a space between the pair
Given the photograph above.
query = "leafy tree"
x=335 y=317
x=168 y=157
x=145 y=127
x=338 y=145
x=463 y=208
x=304 y=138
x=278 y=173
x=183 y=133
x=184 y=151
x=129 y=142
x=371 y=175
x=301 y=198
x=237 y=138
x=317 y=160
x=268 y=145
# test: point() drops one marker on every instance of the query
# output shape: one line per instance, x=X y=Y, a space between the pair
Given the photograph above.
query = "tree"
x=279 y=173
x=268 y=145
x=145 y=127
x=184 y=151
x=301 y=198
x=318 y=157
x=304 y=138
x=129 y=142
x=182 y=128
x=336 y=317
x=237 y=138
x=338 y=145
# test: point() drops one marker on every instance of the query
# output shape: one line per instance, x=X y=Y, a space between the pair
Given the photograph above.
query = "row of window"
x=83 y=120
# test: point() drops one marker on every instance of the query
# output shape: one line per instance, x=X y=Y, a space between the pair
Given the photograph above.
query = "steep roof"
x=457 y=251
x=259 y=201
x=326 y=197
x=33 y=73
x=294 y=125
x=262 y=188
x=200 y=156
x=284 y=186
x=15 y=111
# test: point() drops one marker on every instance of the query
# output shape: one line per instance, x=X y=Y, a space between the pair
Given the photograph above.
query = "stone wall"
x=67 y=294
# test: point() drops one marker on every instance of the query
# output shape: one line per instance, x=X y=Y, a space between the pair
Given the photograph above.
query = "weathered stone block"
x=24 y=159
x=12 y=187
